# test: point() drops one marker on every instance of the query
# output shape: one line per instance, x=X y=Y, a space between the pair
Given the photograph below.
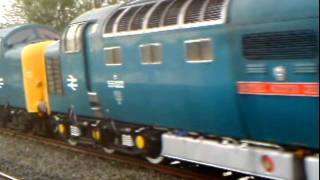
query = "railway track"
x=184 y=171
x=4 y=176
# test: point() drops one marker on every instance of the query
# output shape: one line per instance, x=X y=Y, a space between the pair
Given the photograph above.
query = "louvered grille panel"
x=281 y=45
x=171 y=17
x=125 y=20
x=54 y=76
x=137 y=22
x=155 y=18
x=193 y=13
x=109 y=27
x=214 y=10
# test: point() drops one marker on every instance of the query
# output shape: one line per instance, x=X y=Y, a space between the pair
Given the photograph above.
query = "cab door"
x=75 y=69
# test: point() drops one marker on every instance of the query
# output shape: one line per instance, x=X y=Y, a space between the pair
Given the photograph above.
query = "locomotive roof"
x=153 y=15
x=6 y=31
x=95 y=14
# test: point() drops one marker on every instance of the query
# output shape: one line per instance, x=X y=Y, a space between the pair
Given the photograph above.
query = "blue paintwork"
x=174 y=94
x=281 y=119
x=10 y=65
x=10 y=70
x=203 y=97
x=57 y=103
x=74 y=64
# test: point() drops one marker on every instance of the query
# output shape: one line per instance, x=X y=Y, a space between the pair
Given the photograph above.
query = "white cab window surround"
x=113 y=56
x=199 y=51
x=151 y=53
x=1 y=47
x=73 y=38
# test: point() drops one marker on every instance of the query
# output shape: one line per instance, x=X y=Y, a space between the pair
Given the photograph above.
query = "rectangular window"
x=151 y=53
x=199 y=51
x=114 y=56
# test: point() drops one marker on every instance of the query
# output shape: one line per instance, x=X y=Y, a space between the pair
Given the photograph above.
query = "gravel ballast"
x=30 y=160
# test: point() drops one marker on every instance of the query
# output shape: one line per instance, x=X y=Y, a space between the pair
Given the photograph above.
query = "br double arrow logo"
x=72 y=82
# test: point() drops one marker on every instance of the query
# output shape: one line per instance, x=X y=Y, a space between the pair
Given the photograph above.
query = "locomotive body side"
x=264 y=41
x=204 y=96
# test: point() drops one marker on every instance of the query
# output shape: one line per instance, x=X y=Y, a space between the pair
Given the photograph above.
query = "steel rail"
x=4 y=176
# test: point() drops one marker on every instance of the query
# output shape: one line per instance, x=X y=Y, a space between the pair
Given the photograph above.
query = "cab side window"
x=114 y=56
x=21 y=37
x=47 y=34
x=199 y=51
x=151 y=53
x=73 y=38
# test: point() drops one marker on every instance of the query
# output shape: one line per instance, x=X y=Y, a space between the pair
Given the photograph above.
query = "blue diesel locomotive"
x=225 y=83
x=13 y=42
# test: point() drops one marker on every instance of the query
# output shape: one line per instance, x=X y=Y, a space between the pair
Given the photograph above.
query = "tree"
x=115 y=1
x=54 y=13
x=57 y=13
x=9 y=17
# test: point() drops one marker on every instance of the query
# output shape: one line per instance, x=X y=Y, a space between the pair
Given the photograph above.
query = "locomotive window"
x=151 y=53
x=73 y=38
x=21 y=37
x=114 y=55
x=199 y=51
x=47 y=34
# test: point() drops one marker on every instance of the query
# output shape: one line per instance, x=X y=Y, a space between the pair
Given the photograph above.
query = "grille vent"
x=109 y=27
x=171 y=17
x=166 y=14
x=193 y=13
x=155 y=19
x=281 y=45
x=124 y=22
x=54 y=76
x=139 y=18
x=214 y=10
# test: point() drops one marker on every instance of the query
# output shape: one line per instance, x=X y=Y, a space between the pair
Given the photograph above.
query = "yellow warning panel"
x=35 y=77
